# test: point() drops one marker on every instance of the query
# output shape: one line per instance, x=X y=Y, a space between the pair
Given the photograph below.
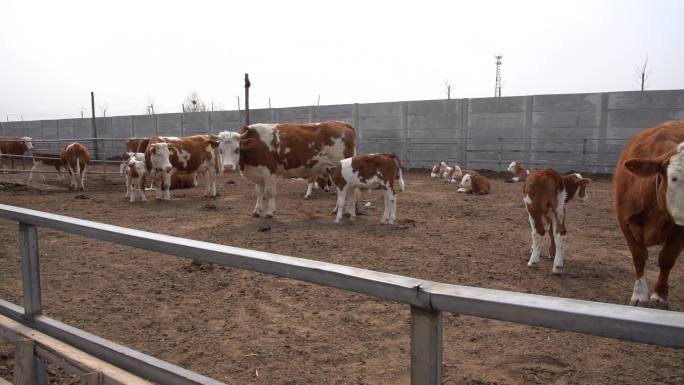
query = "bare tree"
x=447 y=88
x=103 y=109
x=642 y=74
x=150 y=105
x=193 y=103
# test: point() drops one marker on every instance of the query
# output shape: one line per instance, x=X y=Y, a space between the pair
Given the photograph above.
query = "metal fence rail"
x=427 y=299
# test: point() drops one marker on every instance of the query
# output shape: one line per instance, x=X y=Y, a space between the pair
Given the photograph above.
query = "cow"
x=190 y=154
x=546 y=194
x=135 y=179
x=127 y=157
x=265 y=151
x=474 y=184
x=649 y=202
x=436 y=171
x=367 y=171
x=12 y=145
x=137 y=144
x=447 y=172
x=181 y=180
x=459 y=173
x=518 y=170
x=43 y=160
x=76 y=158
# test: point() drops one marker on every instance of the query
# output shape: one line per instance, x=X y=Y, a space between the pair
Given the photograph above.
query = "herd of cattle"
x=648 y=181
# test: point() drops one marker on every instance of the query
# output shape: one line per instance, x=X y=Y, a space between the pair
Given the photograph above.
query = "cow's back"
x=542 y=188
x=73 y=152
x=635 y=196
x=306 y=145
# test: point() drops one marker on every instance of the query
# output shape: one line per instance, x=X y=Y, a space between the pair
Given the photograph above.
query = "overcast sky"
x=53 y=53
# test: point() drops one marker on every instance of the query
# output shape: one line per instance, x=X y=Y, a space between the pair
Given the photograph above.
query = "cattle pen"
x=427 y=299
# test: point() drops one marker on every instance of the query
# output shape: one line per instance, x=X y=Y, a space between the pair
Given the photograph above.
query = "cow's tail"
x=400 y=174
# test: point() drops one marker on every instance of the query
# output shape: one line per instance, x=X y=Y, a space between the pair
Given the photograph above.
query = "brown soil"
x=243 y=327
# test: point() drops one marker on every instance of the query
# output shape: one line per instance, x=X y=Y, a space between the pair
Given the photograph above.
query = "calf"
x=367 y=171
x=76 y=158
x=190 y=154
x=135 y=179
x=12 y=145
x=265 y=151
x=127 y=157
x=474 y=184
x=649 y=203
x=436 y=171
x=519 y=171
x=446 y=171
x=42 y=160
x=459 y=173
x=546 y=195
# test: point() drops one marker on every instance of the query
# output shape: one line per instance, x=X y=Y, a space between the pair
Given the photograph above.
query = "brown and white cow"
x=135 y=179
x=474 y=184
x=459 y=173
x=519 y=171
x=367 y=171
x=76 y=158
x=264 y=151
x=546 y=194
x=43 y=160
x=649 y=201
x=197 y=153
x=137 y=144
x=436 y=171
x=13 y=145
x=127 y=157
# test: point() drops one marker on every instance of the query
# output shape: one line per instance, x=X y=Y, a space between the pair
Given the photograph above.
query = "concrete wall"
x=583 y=132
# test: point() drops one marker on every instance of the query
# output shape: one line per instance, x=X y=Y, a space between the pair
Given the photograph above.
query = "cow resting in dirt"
x=265 y=151
x=198 y=153
x=42 y=160
x=474 y=184
x=649 y=201
x=367 y=171
x=459 y=173
x=519 y=171
x=11 y=145
x=546 y=195
x=76 y=158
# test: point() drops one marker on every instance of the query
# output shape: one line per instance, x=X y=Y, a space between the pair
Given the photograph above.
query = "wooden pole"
x=92 y=107
x=247 y=85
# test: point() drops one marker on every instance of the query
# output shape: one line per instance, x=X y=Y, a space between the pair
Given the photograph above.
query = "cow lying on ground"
x=519 y=171
x=135 y=178
x=649 y=201
x=265 y=151
x=459 y=173
x=436 y=171
x=43 y=160
x=367 y=171
x=546 y=194
x=474 y=184
x=12 y=145
x=190 y=154
x=76 y=158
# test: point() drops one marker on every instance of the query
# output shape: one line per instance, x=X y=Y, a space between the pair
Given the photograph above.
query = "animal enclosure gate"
x=427 y=299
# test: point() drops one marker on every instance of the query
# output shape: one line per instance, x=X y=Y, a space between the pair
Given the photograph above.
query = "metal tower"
x=497 y=87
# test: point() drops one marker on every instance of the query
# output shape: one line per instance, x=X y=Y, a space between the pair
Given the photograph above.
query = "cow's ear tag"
x=209 y=148
x=170 y=151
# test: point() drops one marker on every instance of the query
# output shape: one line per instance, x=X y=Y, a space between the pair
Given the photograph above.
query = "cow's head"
x=436 y=170
x=27 y=143
x=157 y=156
x=512 y=167
x=229 y=144
x=576 y=184
x=466 y=182
x=669 y=171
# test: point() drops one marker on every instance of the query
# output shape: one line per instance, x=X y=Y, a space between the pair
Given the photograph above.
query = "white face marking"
x=184 y=157
x=466 y=182
x=527 y=200
x=229 y=145
x=675 y=186
x=27 y=142
x=160 y=157
x=511 y=167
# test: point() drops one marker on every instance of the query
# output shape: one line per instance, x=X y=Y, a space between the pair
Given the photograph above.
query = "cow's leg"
x=34 y=168
x=552 y=239
x=167 y=185
x=214 y=180
x=310 y=185
x=141 y=188
x=537 y=225
x=393 y=206
x=639 y=257
x=128 y=185
x=559 y=238
x=386 y=213
x=158 y=182
x=666 y=259
x=259 y=207
x=270 y=194
x=82 y=178
x=341 y=200
x=351 y=203
x=132 y=187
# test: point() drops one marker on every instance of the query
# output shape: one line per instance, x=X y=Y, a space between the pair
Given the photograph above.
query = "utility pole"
x=247 y=85
x=92 y=107
x=497 y=86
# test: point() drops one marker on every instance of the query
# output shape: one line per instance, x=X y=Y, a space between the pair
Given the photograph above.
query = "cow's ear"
x=647 y=167
x=248 y=144
x=153 y=150
x=214 y=142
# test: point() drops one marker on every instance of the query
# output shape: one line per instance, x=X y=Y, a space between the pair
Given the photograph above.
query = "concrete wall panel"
x=647 y=99
x=145 y=125
x=122 y=127
x=571 y=102
x=169 y=124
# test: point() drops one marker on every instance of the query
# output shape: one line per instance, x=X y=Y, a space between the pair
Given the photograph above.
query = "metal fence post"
x=500 y=151
x=30 y=269
x=426 y=346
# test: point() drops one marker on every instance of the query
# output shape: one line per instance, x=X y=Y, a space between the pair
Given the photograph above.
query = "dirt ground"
x=247 y=328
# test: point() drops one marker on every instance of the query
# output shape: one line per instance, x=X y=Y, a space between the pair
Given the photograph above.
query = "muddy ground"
x=247 y=328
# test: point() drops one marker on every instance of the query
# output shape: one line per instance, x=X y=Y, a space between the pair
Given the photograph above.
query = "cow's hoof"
x=268 y=216
x=307 y=196
x=558 y=270
x=658 y=302
x=533 y=264
x=638 y=302
x=255 y=215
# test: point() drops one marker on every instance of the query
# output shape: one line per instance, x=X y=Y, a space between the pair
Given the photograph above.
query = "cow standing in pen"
x=265 y=151
x=76 y=158
x=649 y=201
x=11 y=145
